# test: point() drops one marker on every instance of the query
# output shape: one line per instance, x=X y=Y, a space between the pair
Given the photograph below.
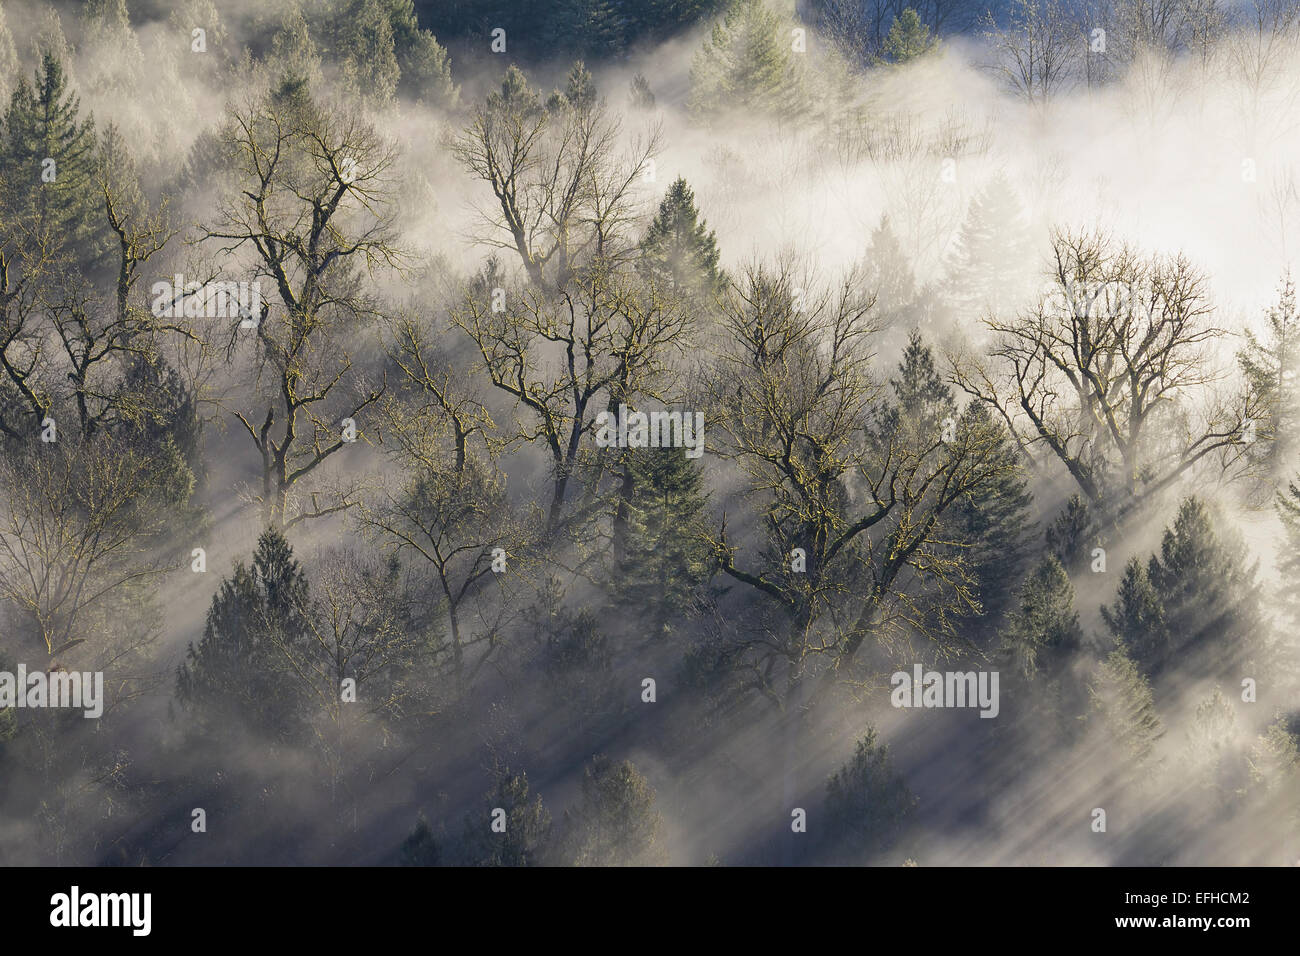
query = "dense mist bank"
x=663 y=433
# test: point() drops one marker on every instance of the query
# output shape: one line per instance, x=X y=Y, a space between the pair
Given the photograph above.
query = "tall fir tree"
x=524 y=839
x=616 y=823
x=666 y=557
x=1271 y=365
x=365 y=48
x=867 y=803
x=1124 y=707
x=991 y=265
x=238 y=672
x=908 y=39
x=993 y=521
x=49 y=154
x=679 y=250
x=747 y=68
x=423 y=64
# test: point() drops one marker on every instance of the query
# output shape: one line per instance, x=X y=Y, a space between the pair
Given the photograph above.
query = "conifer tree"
x=237 y=671
x=665 y=556
x=640 y=95
x=908 y=38
x=1288 y=563
x=1122 y=703
x=679 y=251
x=49 y=154
x=746 y=67
x=420 y=848
x=366 y=50
x=1073 y=535
x=1136 y=619
x=1210 y=597
x=867 y=802
x=423 y=63
x=527 y=825
x=992 y=260
x=993 y=521
x=1271 y=365
x=616 y=823
x=1042 y=629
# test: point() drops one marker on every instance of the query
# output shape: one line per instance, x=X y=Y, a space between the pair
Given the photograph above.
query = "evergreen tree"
x=641 y=97
x=887 y=272
x=293 y=52
x=1272 y=369
x=592 y=28
x=1073 y=535
x=993 y=521
x=365 y=48
x=1210 y=599
x=1288 y=562
x=616 y=823
x=1136 y=619
x=41 y=125
x=679 y=251
x=922 y=400
x=237 y=672
x=424 y=65
x=527 y=825
x=1042 y=630
x=867 y=803
x=420 y=848
x=908 y=38
x=990 y=267
x=579 y=91
x=1213 y=760
x=1123 y=705
x=747 y=67
x=666 y=556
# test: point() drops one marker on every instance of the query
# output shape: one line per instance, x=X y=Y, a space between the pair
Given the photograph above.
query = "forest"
x=576 y=432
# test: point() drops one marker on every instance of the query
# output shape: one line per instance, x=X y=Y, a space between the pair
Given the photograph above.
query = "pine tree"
x=1122 y=703
x=237 y=672
x=867 y=803
x=1073 y=536
x=747 y=67
x=1042 y=630
x=679 y=251
x=365 y=48
x=990 y=267
x=1213 y=760
x=922 y=400
x=1136 y=619
x=420 y=848
x=887 y=272
x=640 y=96
x=45 y=140
x=527 y=825
x=424 y=65
x=579 y=91
x=1272 y=370
x=908 y=38
x=993 y=520
x=666 y=557
x=616 y=823
x=1210 y=598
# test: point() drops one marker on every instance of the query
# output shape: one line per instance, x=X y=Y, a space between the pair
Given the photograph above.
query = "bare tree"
x=831 y=469
x=1038 y=50
x=563 y=187
x=1112 y=371
x=312 y=209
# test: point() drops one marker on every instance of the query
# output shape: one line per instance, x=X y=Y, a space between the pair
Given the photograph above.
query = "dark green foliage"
x=43 y=122
x=1042 y=631
x=679 y=251
x=1073 y=535
x=237 y=673
x=747 y=68
x=1136 y=619
x=424 y=66
x=908 y=38
x=867 y=803
x=666 y=558
x=993 y=522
